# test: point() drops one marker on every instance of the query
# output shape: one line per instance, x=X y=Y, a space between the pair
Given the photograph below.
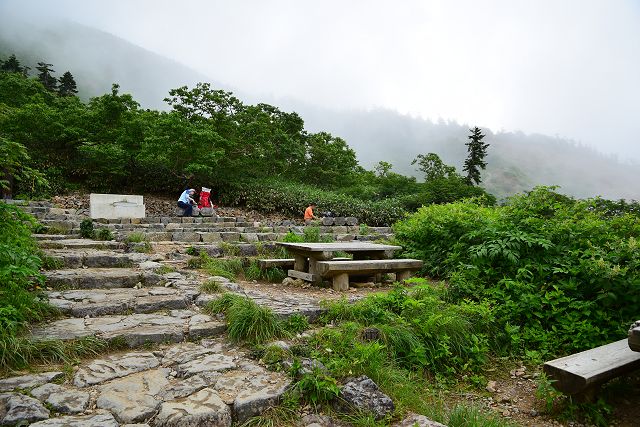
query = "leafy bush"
x=561 y=274
x=104 y=234
x=292 y=199
x=86 y=229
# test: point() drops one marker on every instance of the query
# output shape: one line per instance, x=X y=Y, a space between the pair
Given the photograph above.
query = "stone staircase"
x=233 y=230
x=180 y=370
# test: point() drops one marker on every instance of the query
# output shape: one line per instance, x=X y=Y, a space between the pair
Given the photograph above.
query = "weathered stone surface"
x=202 y=408
x=340 y=221
x=286 y=305
x=213 y=362
x=62 y=399
x=209 y=237
x=415 y=420
x=260 y=392
x=249 y=237
x=100 y=418
x=185 y=237
x=134 y=398
x=99 y=302
x=206 y=329
x=327 y=221
x=351 y=220
x=102 y=370
x=150 y=265
x=364 y=395
x=135 y=329
x=100 y=278
x=182 y=387
x=80 y=244
x=18 y=408
x=28 y=381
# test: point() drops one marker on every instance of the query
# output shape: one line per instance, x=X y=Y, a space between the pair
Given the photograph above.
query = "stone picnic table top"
x=325 y=250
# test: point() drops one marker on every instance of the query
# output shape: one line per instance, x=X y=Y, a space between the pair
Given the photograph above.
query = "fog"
x=567 y=69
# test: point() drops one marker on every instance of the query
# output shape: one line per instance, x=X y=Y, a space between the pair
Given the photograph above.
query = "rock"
x=351 y=221
x=150 y=265
x=28 y=381
x=62 y=399
x=133 y=398
x=415 y=420
x=202 y=408
x=491 y=387
x=340 y=221
x=307 y=365
x=364 y=395
x=17 y=408
x=327 y=221
x=113 y=367
x=100 y=418
x=182 y=387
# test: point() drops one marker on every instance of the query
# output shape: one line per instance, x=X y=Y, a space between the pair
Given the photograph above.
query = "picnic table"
x=315 y=261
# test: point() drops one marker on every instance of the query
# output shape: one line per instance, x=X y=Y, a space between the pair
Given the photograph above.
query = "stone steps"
x=80 y=244
x=135 y=330
x=100 y=278
x=100 y=302
x=212 y=383
x=94 y=258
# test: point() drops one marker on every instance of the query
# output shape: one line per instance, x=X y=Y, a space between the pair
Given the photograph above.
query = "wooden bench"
x=340 y=271
x=581 y=374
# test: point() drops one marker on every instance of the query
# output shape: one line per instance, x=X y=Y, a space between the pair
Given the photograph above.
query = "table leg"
x=301 y=263
x=313 y=270
x=341 y=282
x=401 y=276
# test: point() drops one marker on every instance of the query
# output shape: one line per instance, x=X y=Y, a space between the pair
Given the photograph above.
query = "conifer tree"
x=475 y=160
x=11 y=65
x=45 y=77
x=67 y=85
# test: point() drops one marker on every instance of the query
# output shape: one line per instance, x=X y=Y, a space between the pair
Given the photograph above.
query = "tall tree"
x=45 y=76
x=475 y=160
x=67 y=85
x=433 y=167
x=11 y=65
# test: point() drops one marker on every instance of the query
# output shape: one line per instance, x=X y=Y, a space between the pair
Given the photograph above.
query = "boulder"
x=362 y=394
x=17 y=408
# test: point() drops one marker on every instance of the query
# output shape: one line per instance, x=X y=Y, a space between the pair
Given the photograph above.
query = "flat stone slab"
x=80 y=244
x=96 y=258
x=134 y=398
x=100 y=302
x=18 y=408
x=102 y=370
x=135 y=329
x=62 y=399
x=190 y=359
x=100 y=278
x=199 y=409
x=28 y=381
x=100 y=418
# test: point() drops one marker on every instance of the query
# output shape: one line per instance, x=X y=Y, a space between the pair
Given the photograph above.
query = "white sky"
x=560 y=67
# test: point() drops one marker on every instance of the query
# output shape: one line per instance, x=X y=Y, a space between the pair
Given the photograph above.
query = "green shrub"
x=136 y=237
x=561 y=274
x=86 y=228
x=317 y=387
x=211 y=287
x=104 y=234
x=228 y=268
x=296 y=323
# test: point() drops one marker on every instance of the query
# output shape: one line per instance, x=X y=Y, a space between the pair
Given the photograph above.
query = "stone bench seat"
x=581 y=374
x=285 y=262
x=340 y=271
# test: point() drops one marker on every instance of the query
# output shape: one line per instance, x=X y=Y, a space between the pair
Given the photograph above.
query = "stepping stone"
x=61 y=398
x=100 y=418
x=97 y=278
x=100 y=302
x=202 y=408
x=28 y=381
x=96 y=258
x=190 y=359
x=18 y=408
x=112 y=367
x=80 y=244
x=136 y=329
x=134 y=398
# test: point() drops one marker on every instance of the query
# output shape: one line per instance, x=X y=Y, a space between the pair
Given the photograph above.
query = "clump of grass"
x=246 y=320
x=142 y=247
x=211 y=287
x=296 y=323
x=471 y=416
x=165 y=269
x=272 y=274
x=228 y=268
x=229 y=249
x=104 y=234
x=136 y=237
x=51 y=263
x=275 y=416
x=19 y=352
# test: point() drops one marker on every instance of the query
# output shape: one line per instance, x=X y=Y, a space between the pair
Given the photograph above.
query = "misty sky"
x=569 y=68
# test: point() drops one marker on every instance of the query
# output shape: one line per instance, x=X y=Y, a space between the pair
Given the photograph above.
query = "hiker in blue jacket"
x=186 y=201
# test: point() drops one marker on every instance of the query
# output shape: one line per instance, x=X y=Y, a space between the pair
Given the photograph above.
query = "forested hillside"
x=516 y=161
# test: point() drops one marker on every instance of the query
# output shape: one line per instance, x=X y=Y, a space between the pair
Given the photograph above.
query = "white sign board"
x=113 y=206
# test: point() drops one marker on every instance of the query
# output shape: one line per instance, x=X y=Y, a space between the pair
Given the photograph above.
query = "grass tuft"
x=211 y=287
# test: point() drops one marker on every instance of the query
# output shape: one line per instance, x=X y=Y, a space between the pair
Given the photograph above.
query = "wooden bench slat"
x=277 y=262
x=576 y=373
